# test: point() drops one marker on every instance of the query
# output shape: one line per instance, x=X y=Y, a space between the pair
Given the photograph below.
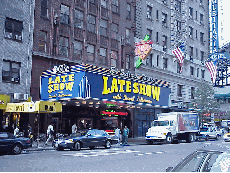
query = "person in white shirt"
x=50 y=131
x=74 y=128
x=117 y=134
x=16 y=131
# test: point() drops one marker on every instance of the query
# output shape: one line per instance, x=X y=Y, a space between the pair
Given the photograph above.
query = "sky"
x=224 y=35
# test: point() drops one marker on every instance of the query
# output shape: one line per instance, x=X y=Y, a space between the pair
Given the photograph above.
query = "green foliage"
x=204 y=100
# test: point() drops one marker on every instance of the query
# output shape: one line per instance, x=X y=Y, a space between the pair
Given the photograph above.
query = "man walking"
x=74 y=128
x=125 y=136
x=50 y=132
x=117 y=134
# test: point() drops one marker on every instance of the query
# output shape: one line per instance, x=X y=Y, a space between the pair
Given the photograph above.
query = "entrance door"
x=84 y=123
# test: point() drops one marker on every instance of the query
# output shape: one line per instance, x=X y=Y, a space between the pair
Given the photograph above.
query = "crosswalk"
x=113 y=151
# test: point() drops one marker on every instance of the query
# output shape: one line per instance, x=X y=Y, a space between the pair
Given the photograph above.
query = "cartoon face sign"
x=143 y=50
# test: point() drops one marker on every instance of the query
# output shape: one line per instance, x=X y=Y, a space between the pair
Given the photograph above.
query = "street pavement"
x=41 y=146
x=137 y=157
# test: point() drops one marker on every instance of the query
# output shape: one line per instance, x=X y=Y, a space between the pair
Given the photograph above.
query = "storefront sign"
x=21 y=107
x=4 y=99
x=92 y=84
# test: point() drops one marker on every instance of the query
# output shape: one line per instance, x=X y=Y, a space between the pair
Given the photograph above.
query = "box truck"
x=172 y=127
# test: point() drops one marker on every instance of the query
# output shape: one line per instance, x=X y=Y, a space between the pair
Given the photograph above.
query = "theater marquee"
x=87 y=81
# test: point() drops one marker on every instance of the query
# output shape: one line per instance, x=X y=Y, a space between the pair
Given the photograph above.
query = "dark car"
x=204 y=161
x=9 y=143
x=84 y=139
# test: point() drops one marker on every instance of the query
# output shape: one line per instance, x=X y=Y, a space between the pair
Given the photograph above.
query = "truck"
x=172 y=127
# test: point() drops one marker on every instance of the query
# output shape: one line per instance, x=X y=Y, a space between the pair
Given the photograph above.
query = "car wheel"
x=107 y=144
x=150 y=142
x=77 y=146
x=17 y=149
x=92 y=147
x=190 y=138
x=217 y=137
x=169 y=139
x=60 y=148
x=206 y=138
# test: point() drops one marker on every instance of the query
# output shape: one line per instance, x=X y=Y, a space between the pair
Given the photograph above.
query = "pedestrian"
x=125 y=136
x=16 y=131
x=29 y=132
x=50 y=133
x=74 y=128
x=117 y=134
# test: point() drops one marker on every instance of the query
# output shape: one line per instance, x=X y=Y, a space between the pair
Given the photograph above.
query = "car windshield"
x=204 y=129
x=160 y=123
x=221 y=163
x=78 y=134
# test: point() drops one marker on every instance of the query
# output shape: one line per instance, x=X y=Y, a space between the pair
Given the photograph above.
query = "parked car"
x=227 y=137
x=9 y=143
x=204 y=161
x=209 y=133
x=84 y=139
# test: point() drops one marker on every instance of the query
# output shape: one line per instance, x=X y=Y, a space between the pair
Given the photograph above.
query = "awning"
x=4 y=99
x=35 y=107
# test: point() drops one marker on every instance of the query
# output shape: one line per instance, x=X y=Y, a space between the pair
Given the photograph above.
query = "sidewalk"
x=41 y=147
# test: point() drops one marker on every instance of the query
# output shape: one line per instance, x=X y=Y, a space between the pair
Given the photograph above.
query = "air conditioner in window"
x=16 y=96
x=148 y=16
x=23 y=96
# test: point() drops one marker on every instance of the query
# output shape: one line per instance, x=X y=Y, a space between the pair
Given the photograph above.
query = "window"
x=44 y=8
x=113 y=59
x=92 y=1
x=42 y=41
x=90 y=52
x=127 y=36
x=201 y=37
x=104 y=3
x=157 y=37
x=78 y=49
x=149 y=33
x=114 y=31
x=79 y=18
x=102 y=59
x=64 y=16
x=149 y=60
x=191 y=70
x=202 y=74
x=196 y=53
x=64 y=46
x=197 y=74
x=11 y=71
x=164 y=19
x=178 y=25
x=164 y=43
x=201 y=56
x=179 y=90
x=178 y=67
x=13 y=29
x=149 y=12
x=191 y=53
x=115 y=6
x=190 y=12
x=128 y=11
x=103 y=27
x=201 y=19
x=178 y=5
x=165 y=63
x=92 y=23
x=196 y=15
x=190 y=32
x=196 y=33
x=157 y=60
x=157 y=15
x=164 y=1
x=127 y=62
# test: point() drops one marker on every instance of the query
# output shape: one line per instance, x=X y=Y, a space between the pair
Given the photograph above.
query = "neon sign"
x=114 y=113
x=143 y=49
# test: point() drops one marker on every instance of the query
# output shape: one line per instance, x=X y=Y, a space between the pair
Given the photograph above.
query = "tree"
x=204 y=101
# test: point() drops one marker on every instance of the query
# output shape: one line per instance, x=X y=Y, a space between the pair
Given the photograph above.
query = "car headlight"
x=164 y=133
x=70 y=140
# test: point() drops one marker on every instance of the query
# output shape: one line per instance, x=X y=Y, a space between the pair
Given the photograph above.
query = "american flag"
x=212 y=69
x=179 y=53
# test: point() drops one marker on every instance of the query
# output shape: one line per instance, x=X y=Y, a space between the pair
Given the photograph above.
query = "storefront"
x=33 y=113
x=4 y=99
x=97 y=97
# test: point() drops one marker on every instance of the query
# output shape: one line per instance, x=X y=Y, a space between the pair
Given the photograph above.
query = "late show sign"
x=84 y=84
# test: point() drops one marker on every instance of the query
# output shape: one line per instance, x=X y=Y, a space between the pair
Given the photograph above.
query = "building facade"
x=16 y=38
x=70 y=32
x=169 y=23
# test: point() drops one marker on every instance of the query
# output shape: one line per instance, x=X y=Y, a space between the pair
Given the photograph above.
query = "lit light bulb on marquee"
x=143 y=49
